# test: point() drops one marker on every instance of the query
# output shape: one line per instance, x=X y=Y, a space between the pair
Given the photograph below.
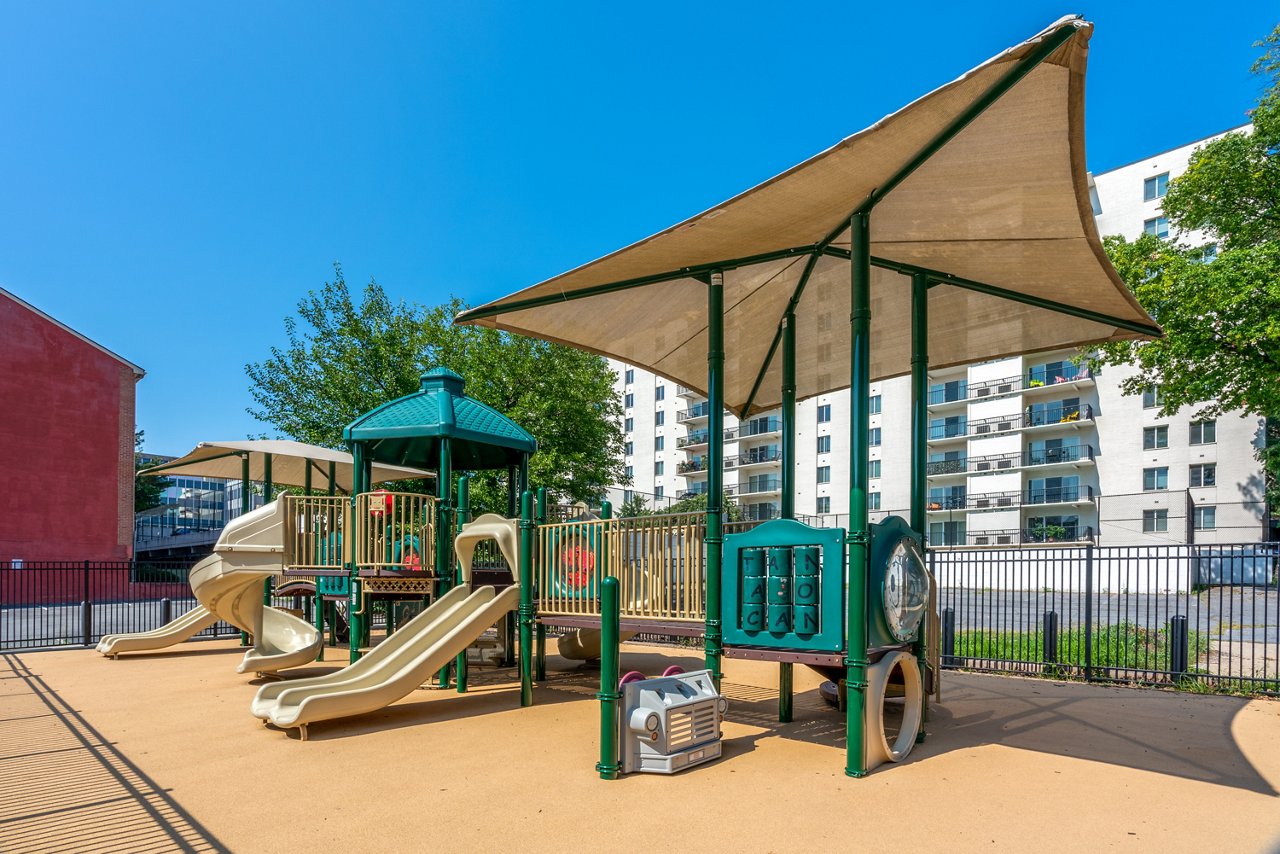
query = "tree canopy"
x=1217 y=298
x=346 y=356
x=146 y=490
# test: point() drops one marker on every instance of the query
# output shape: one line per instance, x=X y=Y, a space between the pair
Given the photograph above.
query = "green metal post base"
x=460 y=667
x=540 y=653
x=786 y=700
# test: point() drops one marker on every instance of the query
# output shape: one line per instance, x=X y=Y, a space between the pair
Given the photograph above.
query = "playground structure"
x=970 y=207
x=980 y=203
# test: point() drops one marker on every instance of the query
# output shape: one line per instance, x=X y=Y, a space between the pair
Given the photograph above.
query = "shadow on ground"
x=90 y=797
x=1181 y=735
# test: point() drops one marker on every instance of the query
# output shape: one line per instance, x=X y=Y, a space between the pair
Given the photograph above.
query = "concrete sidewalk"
x=164 y=747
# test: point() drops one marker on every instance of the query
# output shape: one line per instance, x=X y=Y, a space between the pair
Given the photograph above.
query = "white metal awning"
x=1001 y=209
x=289 y=463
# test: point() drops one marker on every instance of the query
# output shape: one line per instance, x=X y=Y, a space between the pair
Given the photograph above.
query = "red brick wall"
x=66 y=444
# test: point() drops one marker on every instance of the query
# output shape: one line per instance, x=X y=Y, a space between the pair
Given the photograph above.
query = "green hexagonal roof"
x=410 y=428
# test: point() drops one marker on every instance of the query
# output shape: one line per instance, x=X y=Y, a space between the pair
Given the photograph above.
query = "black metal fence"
x=74 y=603
x=1200 y=617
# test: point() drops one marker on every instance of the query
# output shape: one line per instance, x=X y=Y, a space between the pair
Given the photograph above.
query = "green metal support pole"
x=786 y=700
x=714 y=645
x=306 y=478
x=444 y=527
x=333 y=478
x=524 y=473
x=527 y=526
x=319 y=600
x=463 y=517
x=355 y=618
x=859 y=536
x=246 y=504
x=919 y=446
x=540 y=640
x=267 y=487
x=609 y=694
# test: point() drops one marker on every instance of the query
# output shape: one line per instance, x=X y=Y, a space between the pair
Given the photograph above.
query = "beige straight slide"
x=184 y=628
x=421 y=647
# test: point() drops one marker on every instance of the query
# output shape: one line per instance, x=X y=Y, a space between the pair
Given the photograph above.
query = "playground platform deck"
x=159 y=752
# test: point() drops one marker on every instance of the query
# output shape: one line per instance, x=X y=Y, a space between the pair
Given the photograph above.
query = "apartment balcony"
x=700 y=488
x=944 y=468
x=1041 y=379
x=943 y=433
x=760 y=486
x=694 y=466
x=698 y=439
x=760 y=427
x=1039 y=496
x=940 y=398
x=994 y=500
x=695 y=414
x=1057 y=534
x=947 y=503
x=759 y=512
x=758 y=457
x=1074 y=456
x=685 y=391
x=1018 y=536
x=1058 y=416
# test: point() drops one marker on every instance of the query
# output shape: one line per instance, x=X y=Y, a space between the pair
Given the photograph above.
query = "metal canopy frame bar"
x=701 y=272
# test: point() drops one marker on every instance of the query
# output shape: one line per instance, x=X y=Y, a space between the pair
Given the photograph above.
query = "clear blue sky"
x=173 y=177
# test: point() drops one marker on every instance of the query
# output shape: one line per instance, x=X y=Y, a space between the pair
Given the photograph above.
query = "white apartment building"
x=1027 y=449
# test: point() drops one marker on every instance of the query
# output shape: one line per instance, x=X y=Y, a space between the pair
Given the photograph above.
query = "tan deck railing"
x=659 y=561
x=315 y=532
x=396 y=531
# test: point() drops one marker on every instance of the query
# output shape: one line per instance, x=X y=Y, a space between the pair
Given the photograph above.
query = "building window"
x=1155 y=188
x=629 y=448
x=1204 y=475
x=1205 y=518
x=659 y=418
x=658 y=468
x=1155 y=437
x=660 y=443
x=873 y=501
x=824 y=474
x=823 y=506
x=875 y=404
x=660 y=393
x=1158 y=227
x=657 y=492
x=630 y=376
x=824 y=444
x=628 y=425
x=1204 y=432
x=875 y=436
x=1154 y=479
x=1151 y=397
x=1155 y=521
x=1209 y=254
x=630 y=473
x=628 y=401
x=874 y=468
x=824 y=413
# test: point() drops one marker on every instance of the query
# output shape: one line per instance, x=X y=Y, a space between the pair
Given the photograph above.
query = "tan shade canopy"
x=1003 y=203
x=289 y=462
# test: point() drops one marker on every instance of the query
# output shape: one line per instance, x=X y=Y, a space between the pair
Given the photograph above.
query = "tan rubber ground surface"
x=159 y=752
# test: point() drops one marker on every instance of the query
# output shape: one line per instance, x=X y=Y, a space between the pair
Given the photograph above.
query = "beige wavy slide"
x=394 y=668
x=228 y=584
x=184 y=628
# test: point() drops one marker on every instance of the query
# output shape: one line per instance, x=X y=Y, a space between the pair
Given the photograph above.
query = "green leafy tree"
x=698 y=504
x=146 y=490
x=345 y=356
x=1221 y=315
